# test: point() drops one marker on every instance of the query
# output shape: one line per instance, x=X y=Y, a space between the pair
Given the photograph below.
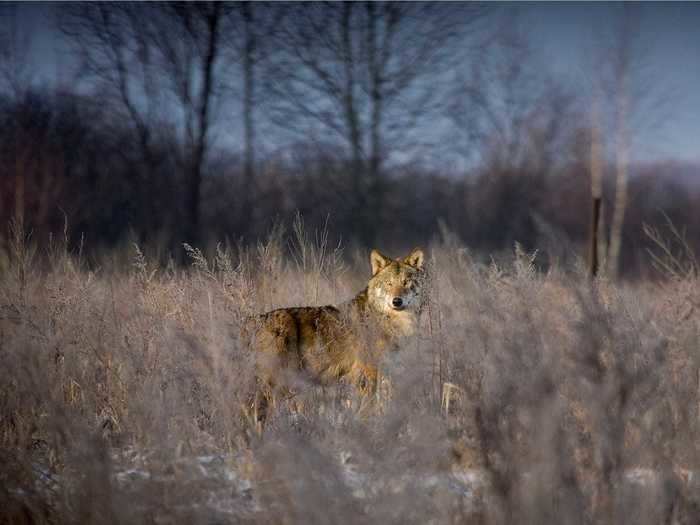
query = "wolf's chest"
x=403 y=323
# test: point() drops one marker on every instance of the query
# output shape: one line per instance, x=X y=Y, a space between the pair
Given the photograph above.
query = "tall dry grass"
x=528 y=397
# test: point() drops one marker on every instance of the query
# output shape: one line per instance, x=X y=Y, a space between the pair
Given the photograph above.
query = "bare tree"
x=622 y=64
x=117 y=56
x=365 y=73
x=505 y=107
x=251 y=39
x=511 y=122
x=160 y=60
x=188 y=37
x=622 y=75
x=15 y=79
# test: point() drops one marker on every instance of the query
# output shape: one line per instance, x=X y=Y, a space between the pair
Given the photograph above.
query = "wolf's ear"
x=415 y=259
x=378 y=261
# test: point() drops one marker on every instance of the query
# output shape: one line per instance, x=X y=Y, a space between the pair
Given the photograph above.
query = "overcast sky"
x=561 y=34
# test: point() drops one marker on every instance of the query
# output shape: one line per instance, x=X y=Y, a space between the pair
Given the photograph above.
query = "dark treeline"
x=208 y=122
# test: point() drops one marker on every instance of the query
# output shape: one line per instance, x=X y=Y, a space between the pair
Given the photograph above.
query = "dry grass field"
x=527 y=397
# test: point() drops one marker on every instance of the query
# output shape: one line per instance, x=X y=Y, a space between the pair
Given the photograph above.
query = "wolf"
x=343 y=342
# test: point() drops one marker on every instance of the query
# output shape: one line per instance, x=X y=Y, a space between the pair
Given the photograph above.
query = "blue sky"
x=561 y=34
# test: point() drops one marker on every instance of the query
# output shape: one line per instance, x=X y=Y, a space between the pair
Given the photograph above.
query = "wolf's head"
x=396 y=286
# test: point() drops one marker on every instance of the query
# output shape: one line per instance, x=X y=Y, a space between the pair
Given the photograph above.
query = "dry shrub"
x=526 y=397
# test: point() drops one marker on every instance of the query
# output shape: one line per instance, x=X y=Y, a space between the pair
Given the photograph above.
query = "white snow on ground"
x=224 y=489
x=641 y=476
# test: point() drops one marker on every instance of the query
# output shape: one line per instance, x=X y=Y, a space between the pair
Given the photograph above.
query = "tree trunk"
x=248 y=117
x=621 y=163
x=375 y=183
x=360 y=190
x=197 y=161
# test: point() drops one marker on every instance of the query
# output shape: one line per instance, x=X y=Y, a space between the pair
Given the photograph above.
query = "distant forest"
x=390 y=123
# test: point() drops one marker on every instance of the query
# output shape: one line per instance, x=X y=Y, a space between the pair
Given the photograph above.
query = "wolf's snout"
x=397 y=302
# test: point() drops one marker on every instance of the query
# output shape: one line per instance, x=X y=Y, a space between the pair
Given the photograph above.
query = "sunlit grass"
x=526 y=397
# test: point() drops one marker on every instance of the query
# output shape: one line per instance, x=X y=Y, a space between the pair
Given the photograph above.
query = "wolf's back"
x=290 y=330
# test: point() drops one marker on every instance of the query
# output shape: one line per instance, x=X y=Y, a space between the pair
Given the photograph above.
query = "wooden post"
x=596 y=193
x=593 y=255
